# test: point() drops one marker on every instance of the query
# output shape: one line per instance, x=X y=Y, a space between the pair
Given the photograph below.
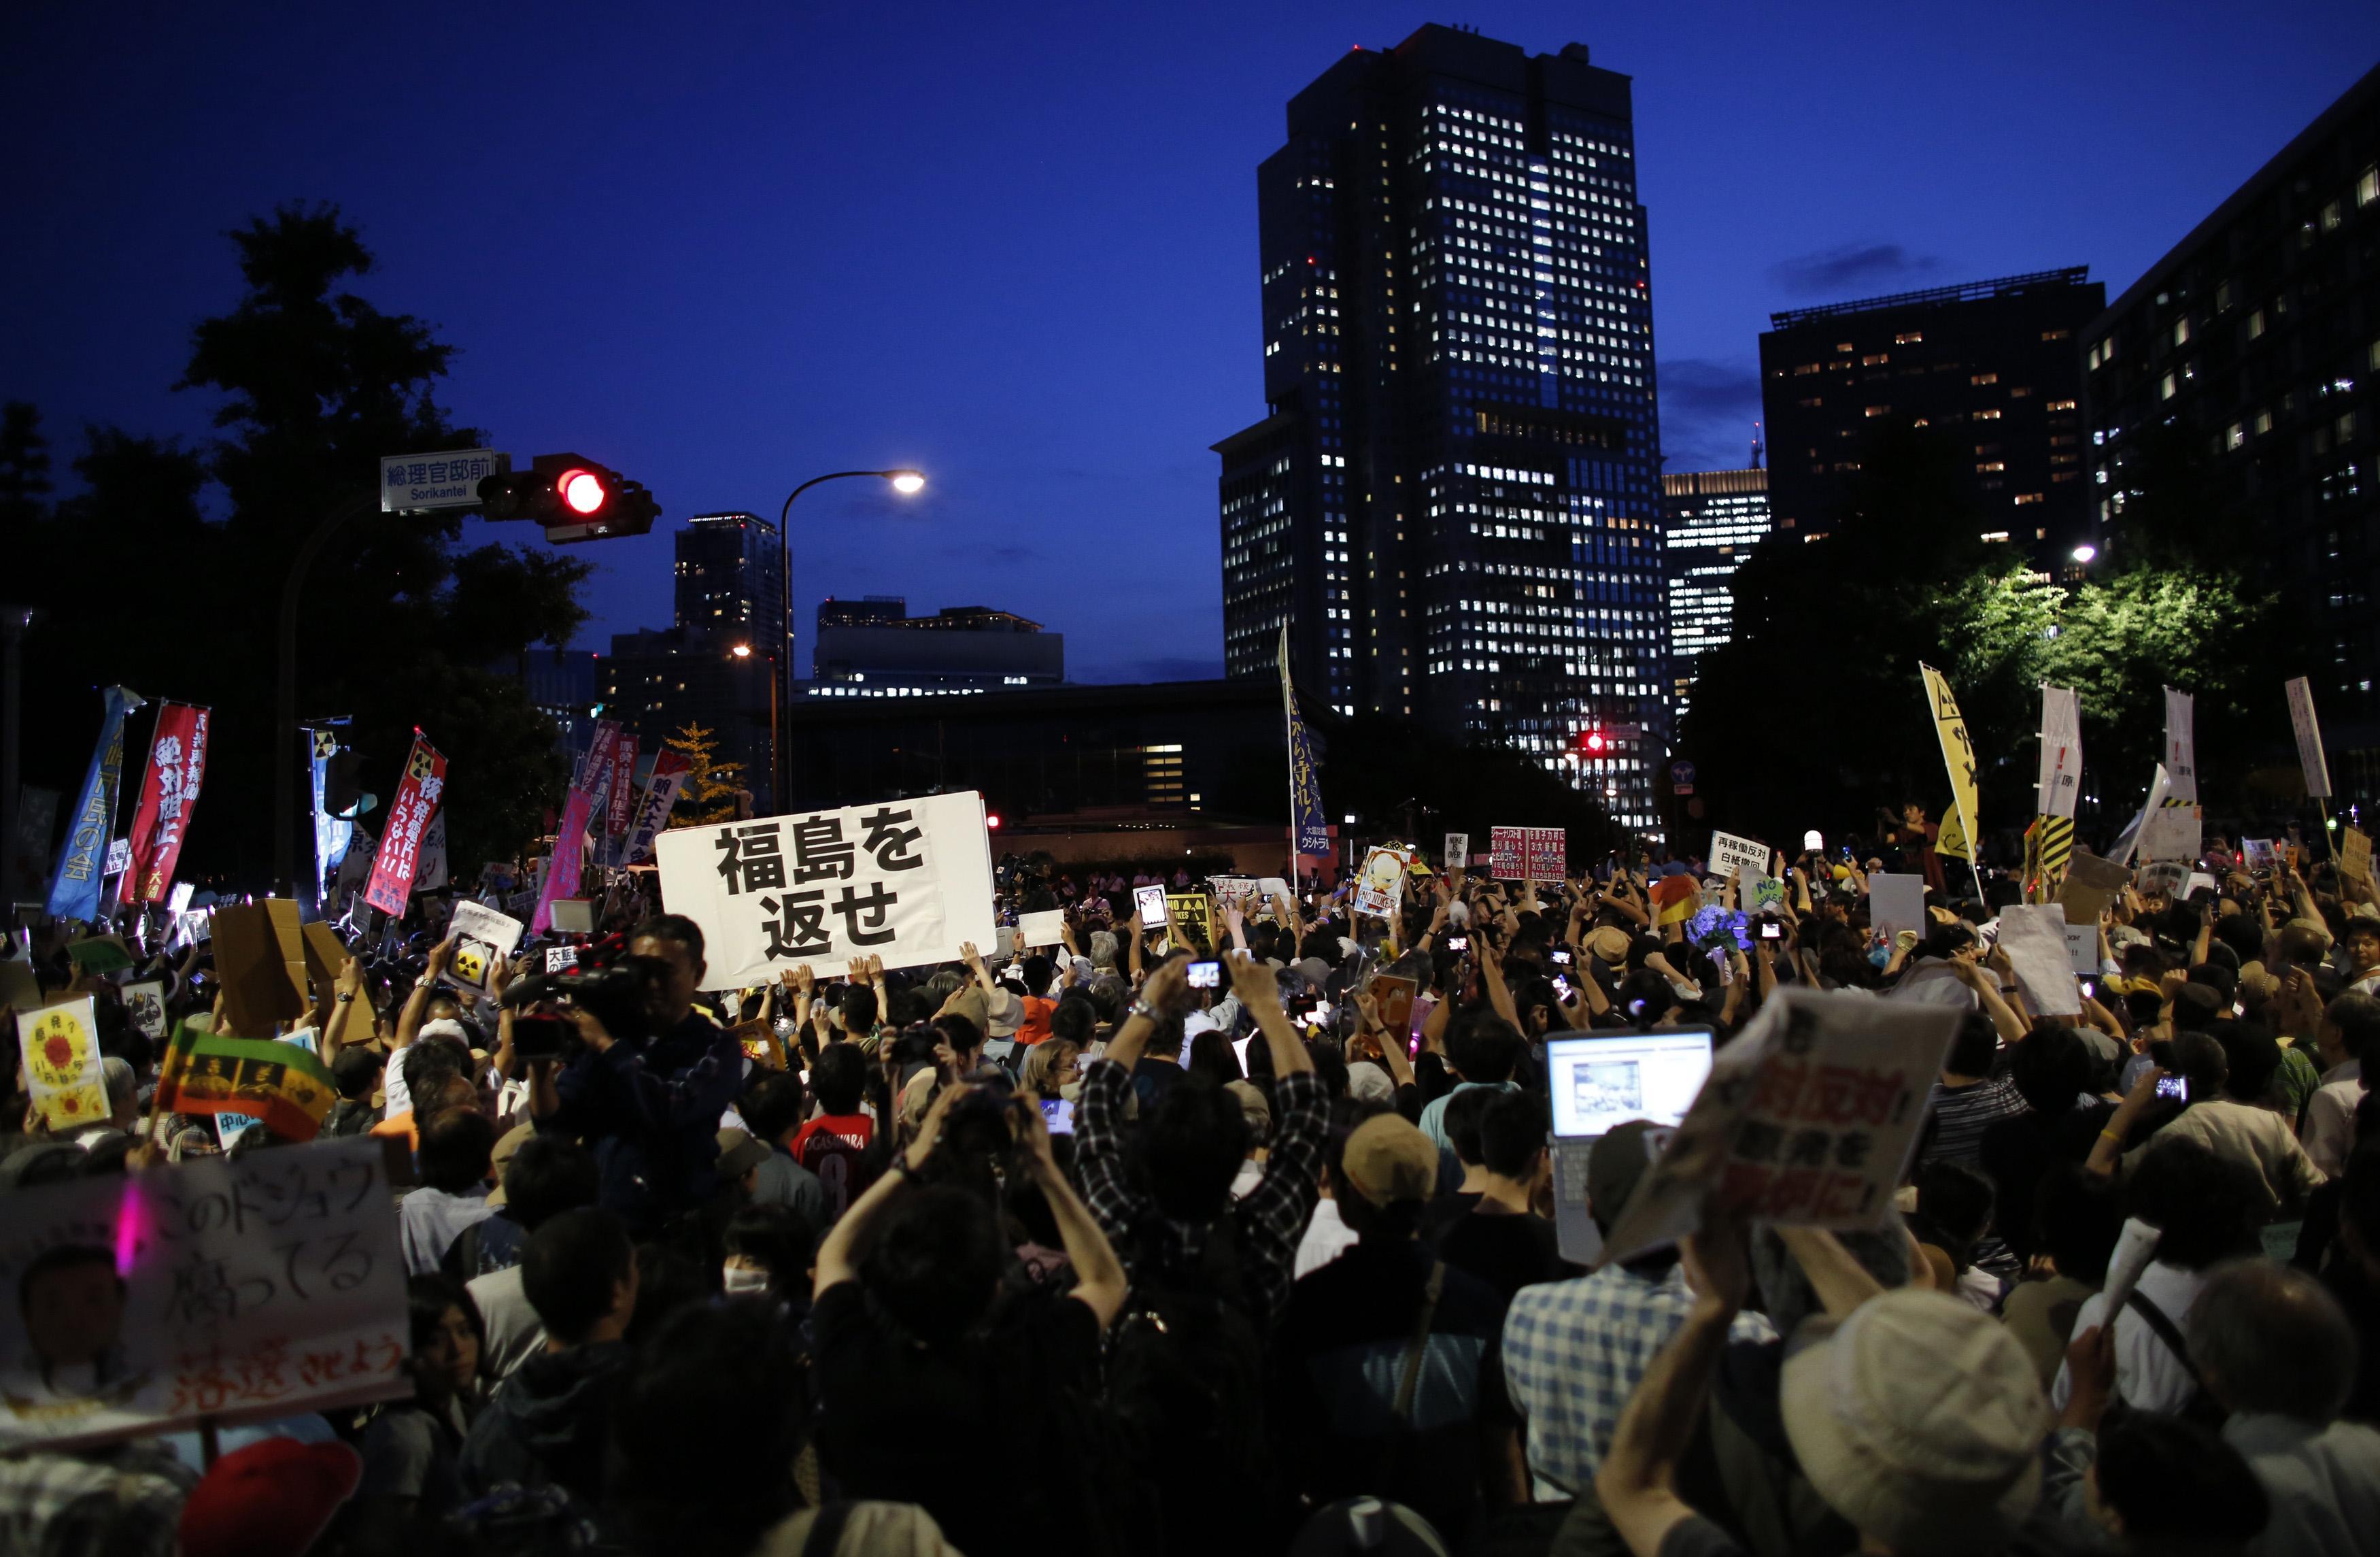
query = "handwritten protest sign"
x=1457 y=855
x=62 y=1065
x=1727 y=851
x=235 y=1290
x=1806 y=1120
x=2171 y=832
x=2355 y=854
x=1044 y=928
x=483 y=939
x=907 y=880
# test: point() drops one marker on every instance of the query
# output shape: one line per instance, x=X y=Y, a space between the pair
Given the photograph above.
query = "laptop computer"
x=1599 y=1082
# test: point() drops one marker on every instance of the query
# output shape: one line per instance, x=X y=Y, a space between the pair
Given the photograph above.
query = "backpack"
x=1186 y=1387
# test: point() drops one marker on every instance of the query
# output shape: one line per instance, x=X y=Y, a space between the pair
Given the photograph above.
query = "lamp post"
x=776 y=792
x=285 y=702
x=905 y=482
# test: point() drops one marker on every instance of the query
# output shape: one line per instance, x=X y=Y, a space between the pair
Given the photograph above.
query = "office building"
x=563 y=683
x=1451 y=500
x=731 y=581
x=1995 y=364
x=657 y=682
x=1710 y=521
x=2256 y=339
x=873 y=648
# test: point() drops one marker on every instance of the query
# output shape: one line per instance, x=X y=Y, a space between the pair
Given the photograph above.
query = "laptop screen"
x=1600 y=1083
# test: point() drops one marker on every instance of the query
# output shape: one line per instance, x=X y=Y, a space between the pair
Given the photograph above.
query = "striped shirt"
x=1961 y=1114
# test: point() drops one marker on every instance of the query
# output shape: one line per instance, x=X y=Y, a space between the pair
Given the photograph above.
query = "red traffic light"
x=992 y=821
x=582 y=491
x=1594 y=740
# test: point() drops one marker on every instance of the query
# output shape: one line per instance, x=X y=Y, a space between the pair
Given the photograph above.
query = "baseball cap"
x=739 y=1153
x=1387 y=1159
x=1614 y=1164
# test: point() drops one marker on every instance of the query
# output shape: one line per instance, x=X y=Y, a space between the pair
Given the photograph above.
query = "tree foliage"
x=1815 y=714
x=400 y=626
x=711 y=786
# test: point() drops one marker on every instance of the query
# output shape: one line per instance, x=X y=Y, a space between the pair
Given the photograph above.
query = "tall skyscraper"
x=1992 y=364
x=2255 y=344
x=731 y=581
x=1711 y=520
x=1452 y=501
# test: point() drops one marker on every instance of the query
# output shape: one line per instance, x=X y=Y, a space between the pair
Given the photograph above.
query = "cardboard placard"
x=325 y=954
x=1896 y=903
x=1807 y=1120
x=270 y=1286
x=1045 y=927
x=2033 y=936
x=62 y=1067
x=1195 y=913
x=2091 y=884
x=261 y=959
x=19 y=988
x=1394 y=996
x=2355 y=854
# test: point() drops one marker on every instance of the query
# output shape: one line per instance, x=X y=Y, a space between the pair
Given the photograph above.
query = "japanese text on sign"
x=262 y=1287
x=907 y=880
x=1536 y=853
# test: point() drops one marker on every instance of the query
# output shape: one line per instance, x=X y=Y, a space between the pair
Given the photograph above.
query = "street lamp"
x=2085 y=552
x=776 y=794
x=908 y=483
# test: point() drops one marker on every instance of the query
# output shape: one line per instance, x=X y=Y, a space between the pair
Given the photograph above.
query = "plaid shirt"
x=1272 y=1217
x=1573 y=1353
x=144 y=1487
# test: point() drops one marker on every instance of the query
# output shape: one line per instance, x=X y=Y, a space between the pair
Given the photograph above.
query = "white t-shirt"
x=2149 y=1376
x=1326 y=1239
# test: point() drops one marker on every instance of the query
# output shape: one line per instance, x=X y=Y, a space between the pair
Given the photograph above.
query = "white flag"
x=2181 y=744
x=2062 y=751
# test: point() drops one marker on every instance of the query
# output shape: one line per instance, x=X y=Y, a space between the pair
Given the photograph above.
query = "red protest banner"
x=399 y=858
x=178 y=761
x=623 y=786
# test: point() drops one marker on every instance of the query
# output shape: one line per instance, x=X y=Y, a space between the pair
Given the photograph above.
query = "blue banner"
x=1305 y=819
x=82 y=862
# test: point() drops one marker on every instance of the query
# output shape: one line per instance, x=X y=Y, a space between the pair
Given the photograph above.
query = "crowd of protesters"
x=1060 y=1249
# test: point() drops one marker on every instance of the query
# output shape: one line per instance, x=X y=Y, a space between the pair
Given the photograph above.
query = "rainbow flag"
x=280 y=1083
x=1675 y=899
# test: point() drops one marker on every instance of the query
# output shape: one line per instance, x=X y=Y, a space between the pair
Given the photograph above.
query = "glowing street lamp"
x=905 y=481
x=2085 y=552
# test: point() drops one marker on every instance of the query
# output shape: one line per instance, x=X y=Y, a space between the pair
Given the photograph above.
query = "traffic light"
x=1594 y=742
x=572 y=496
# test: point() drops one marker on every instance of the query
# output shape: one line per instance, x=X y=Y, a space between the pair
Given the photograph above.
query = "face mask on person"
x=744 y=1280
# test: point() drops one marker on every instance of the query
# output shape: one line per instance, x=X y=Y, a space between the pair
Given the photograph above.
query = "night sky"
x=725 y=248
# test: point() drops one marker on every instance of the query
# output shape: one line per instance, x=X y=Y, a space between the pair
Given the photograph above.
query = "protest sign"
x=1046 y=927
x=1393 y=997
x=1195 y=915
x=2168 y=876
x=1727 y=851
x=2091 y=883
x=430 y=870
x=618 y=805
x=2355 y=854
x=651 y=815
x=18 y=987
x=483 y=939
x=757 y=1039
x=1309 y=834
x=2061 y=752
x=83 y=858
x=325 y=954
x=145 y=1003
x=2181 y=744
x=1897 y=903
x=261 y=959
x=268 y=1286
x=1504 y=844
x=1958 y=751
x=169 y=793
x=2261 y=857
x=281 y=1084
x=1149 y=902
x=2082 y=949
x=561 y=959
x=1807 y=1120
x=2033 y=936
x=1767 y=895
x=2170 y=832
x=910 y=880
x=398 y=856
x=1380 y=885
x=2308 y=731
x=1457 y=852
x=99 y=954
x=1536 y=854
x=62 y=1067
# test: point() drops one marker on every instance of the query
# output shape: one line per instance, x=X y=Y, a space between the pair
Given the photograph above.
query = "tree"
x=24 y=468
x=400 y=627
x=706 y=781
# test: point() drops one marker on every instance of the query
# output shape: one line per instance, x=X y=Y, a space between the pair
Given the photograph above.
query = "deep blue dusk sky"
x=727 y=246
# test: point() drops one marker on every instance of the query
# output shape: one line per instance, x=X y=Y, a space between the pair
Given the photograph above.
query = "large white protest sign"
x=2033 y=936
x=1727 y=851
x=1806 y=1120
x=907 y=880
x=2061 y=752
x=2082 y=949
x=267 y=1287
x=1897 y=903
x=2171 y=832
x=1044 y=928
x=483 y=939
